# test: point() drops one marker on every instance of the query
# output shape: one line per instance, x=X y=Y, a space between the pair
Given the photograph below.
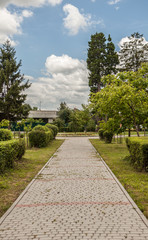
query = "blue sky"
x=51 y=37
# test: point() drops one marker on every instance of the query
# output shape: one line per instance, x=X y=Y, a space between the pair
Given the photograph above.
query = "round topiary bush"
x=5 y=135
x=41 y=128
x=53 y=127
x=37 y=138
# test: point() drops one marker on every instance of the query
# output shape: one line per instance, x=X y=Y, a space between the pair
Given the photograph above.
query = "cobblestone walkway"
x=75 y=196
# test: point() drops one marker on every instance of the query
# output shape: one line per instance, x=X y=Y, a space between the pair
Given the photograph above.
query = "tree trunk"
x=137 y=130
x=99 y=87
x=129 y=132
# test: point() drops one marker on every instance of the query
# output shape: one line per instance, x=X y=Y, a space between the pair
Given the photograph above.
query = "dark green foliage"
x=138 y=153
x=38 y=138
x=64 y=113
x=102 y=60
x=111 y=57
x=12 y=85
x=5 y=135
x=53 y=127
x=10 y=151
x=100 y=132
x=108 y=136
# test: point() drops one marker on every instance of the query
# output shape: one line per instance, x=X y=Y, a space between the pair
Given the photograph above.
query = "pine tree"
x=12 y=86
x=96 y=61
x=133 y=52
x=101 y=60
x=111 y=57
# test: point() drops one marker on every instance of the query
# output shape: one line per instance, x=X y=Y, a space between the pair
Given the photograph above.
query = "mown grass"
x=14 y=181
x=77 y=134
x=136 y=183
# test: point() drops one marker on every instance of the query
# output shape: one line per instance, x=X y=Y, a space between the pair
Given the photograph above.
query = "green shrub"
x=100 y=132
x=41 y=128
x=38 y=138
x=138 y=150
x=11 y=151
x=108 y=135
x=5 y=135
x=53 y=127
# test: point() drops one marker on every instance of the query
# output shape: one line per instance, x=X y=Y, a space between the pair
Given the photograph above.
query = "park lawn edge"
x=14 y=181
x=135 y=183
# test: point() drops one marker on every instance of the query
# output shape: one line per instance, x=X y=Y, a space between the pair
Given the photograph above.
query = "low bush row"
x=40 y=136
x=138 y=149
x=5 y=135
x=11 y=151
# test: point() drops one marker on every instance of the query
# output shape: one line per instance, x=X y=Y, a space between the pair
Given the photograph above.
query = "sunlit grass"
x=14 y=181
x=136 y=183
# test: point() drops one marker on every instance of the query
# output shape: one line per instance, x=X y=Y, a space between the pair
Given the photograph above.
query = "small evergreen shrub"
x=5 y=135
x=11 y=151
x=53 y=127
x=138 y=153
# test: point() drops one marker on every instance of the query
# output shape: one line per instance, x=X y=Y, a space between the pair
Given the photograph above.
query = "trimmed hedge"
x=53 y=127
x=40 y=136
x=41 y=128
x=138 y=149
x=5 y=135
x=11 y=151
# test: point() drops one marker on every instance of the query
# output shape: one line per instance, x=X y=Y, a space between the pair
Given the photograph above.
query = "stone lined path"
x=75 y=196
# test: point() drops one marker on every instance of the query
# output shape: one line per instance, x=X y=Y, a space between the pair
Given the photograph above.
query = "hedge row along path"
x=75 y=196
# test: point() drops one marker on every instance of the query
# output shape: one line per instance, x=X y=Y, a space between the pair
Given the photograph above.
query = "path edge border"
x=141 y=215
x=10 y=209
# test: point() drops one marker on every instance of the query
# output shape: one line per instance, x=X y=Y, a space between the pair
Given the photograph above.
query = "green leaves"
x=12 y=84
x=102 y=60
x=124 y=97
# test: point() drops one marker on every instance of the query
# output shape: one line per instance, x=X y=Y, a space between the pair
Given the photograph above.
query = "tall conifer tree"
x=133 y=52
x=101 y=60
x=12 y=86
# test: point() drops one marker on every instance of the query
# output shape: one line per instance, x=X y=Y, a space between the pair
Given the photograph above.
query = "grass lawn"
x=136 y=183
x=77 y=134
x=14 y=181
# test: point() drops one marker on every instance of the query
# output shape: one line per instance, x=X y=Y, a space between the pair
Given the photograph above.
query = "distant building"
x=45 y=115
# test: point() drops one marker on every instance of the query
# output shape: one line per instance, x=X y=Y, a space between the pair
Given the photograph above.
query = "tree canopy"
x=12 y=86
x=101 y=60
x=133 y=52
x=124 y=98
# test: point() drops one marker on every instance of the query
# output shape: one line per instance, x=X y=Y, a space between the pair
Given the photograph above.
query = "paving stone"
x=75 y=196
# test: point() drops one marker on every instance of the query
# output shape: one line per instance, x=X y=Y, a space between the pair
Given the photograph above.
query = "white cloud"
x=27 y=77
x=113 y=2
x=123 y=40
x=68 y=81
x=62 y=64
x=29 y=3
x=10 y=24
x=75 y=21
x=54 y=2
x=93 y=0
x=26 y=13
